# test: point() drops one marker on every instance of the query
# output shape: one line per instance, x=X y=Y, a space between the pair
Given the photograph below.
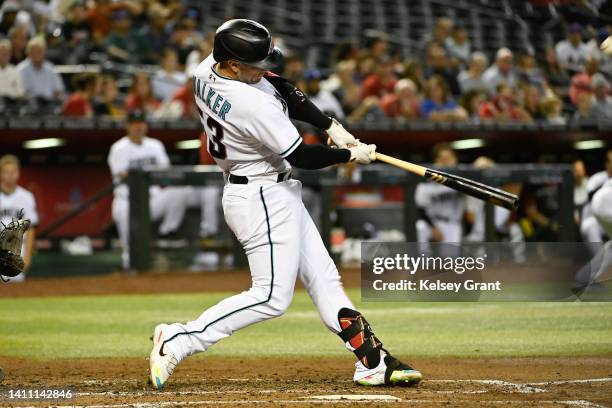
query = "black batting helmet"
x=248 y=42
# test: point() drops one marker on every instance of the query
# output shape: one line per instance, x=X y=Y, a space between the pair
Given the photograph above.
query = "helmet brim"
x=273 y=60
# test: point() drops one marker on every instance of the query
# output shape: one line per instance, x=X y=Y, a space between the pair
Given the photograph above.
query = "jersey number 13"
x=214 y=134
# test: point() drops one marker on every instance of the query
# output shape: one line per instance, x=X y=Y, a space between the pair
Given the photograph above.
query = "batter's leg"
x=266 y=223
x=320 y=275
x=375 y=366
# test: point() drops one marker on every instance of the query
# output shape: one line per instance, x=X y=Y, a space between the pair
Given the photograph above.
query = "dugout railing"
x=327 y=180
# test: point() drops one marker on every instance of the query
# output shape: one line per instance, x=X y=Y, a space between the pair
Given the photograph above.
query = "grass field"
x=119 y=326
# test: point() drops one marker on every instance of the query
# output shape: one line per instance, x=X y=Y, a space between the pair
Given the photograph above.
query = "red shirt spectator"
x=78 y=103
x=77 y=106
x=381 y=82
x=184 y=95
x=404 y=101
x=140 y=95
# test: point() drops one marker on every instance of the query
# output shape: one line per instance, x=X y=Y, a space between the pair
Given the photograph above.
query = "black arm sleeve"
x=300 y=107
x=317 y=156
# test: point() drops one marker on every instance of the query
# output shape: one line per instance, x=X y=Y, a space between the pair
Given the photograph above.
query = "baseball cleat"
x=390 y=372
x=161 y=365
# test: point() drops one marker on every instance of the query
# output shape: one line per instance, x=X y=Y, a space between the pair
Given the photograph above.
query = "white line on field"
x=520 y=388
x=587 y=380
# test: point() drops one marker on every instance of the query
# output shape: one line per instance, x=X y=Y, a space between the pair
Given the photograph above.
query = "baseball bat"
x=472 y=188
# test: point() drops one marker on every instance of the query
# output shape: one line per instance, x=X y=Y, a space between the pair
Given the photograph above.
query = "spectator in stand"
x=502 y=107
x=124 y=44
x=343 y=86
x=528 y=71
x=601 y=101
x=437 y=105
x=581 y=82
x=471 y=78
x=572 y=52
x=404 y=102
x=555 y=75
x=8 y=16
x=594 y=46
x=458 y=46
x=439 y=64
x=413 y=70
x=322 y=99
x=78 y=104
x=552 y=109
x=58 y=52
x=470 y=101
x=106 y=102
x=169 y=78
x=78 y=32
x=38 y=76
x=442 y=29
x=197 y=55
x=155 y=33
x=366 y=66
x=382 y=81
x=11 y=87
x=140 y=96
x=502 y=71
x=294 y=70
x=378 y=45
x=18 y=37
x=532 y=102
x=184 y=38
x=99 y=17
x=184 y=98
x=583 y=110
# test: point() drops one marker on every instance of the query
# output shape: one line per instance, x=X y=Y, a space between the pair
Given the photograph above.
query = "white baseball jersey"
x=11 y=204
x=125 y=155
x=440 y=202
x=247 y=125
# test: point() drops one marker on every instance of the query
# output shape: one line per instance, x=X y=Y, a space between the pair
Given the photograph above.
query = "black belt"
x=233 y=179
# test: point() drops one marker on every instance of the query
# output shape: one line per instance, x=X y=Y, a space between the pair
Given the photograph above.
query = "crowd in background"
x=149 y=49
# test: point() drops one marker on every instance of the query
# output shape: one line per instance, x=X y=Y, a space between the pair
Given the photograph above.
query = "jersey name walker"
x=247 y=126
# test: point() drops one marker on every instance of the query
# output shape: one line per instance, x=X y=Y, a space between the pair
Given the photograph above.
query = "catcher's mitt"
x=11 y=237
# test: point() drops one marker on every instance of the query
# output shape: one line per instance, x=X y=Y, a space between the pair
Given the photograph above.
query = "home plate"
x=357 y=397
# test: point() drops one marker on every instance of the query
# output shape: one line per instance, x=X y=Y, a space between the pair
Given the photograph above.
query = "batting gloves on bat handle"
x=340 y=136
x=363 y=153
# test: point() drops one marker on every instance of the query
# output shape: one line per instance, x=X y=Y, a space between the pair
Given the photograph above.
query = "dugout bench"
x=139 y=182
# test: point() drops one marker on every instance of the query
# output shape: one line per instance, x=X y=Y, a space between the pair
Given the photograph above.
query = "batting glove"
x=363 y=153
x=340 y=136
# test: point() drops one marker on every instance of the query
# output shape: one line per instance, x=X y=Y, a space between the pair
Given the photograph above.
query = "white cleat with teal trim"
x=161 y=365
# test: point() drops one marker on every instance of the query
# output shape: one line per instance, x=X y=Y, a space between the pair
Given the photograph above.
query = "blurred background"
x=513 y=92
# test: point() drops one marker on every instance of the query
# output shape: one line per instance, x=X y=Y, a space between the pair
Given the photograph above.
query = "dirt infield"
x=582 y=382
x=121 y=283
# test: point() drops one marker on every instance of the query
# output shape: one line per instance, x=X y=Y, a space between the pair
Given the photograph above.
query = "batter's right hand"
x=363 y=153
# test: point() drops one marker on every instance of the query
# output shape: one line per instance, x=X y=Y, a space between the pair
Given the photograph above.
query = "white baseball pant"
x=281 y=242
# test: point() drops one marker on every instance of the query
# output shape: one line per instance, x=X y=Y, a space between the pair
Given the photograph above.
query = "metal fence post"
x=140 y=220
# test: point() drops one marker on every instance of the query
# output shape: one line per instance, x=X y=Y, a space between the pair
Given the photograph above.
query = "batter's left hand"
x=340 y=136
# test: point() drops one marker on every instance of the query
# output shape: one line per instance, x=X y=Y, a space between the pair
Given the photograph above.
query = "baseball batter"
x=245 y=113
x=13 y=199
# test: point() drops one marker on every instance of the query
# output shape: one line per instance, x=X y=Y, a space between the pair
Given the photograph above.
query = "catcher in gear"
x=11 y=238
